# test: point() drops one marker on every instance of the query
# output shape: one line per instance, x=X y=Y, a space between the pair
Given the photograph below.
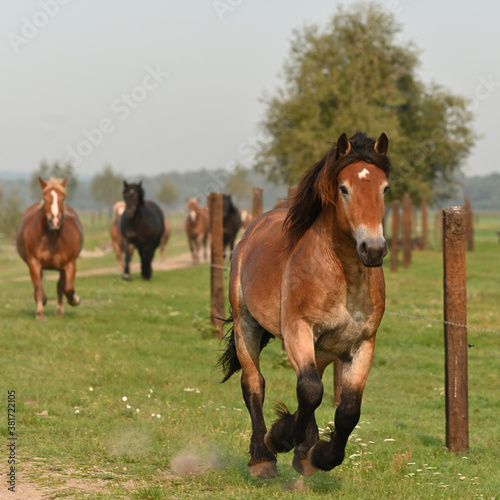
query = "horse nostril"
x=363 y=248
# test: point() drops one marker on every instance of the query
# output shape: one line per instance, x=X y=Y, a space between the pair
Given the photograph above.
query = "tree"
x=354 y=75
x=10 y=216
x=239 y=184
x=46 y=171
x=107 y=186
x=167 y=192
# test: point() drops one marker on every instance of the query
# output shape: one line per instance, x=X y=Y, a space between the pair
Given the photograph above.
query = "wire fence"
x=412 y=316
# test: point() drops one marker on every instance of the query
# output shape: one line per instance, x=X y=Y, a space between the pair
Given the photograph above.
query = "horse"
x=50 y=236
x=311 y=276
x=246 y=219
x=116 y=237
x=231 y=222
x=141 y=224
x=165 y=237
x=197 y=229
x=117 y=240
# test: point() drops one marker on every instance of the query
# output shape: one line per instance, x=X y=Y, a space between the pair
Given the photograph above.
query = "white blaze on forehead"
x=363 y=173
x=54 y=208
x=192 y=215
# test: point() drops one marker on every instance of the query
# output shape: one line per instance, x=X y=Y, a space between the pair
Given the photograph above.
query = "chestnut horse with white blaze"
x=311 y=276
x=50 y=236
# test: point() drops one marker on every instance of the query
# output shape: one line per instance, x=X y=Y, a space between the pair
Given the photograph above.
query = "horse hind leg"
x=246 y=341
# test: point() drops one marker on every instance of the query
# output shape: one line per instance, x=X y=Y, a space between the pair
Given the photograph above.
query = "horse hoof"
x=266 y=470
x=303 y=466
x=40 y=316
x=75 y=301
x=59 y=312
x=126 y=277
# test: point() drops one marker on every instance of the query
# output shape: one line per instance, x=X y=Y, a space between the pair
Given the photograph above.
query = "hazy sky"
x=162 y=85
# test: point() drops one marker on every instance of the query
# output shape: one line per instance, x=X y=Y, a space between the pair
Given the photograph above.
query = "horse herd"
x=50 y=236
x=309 y=275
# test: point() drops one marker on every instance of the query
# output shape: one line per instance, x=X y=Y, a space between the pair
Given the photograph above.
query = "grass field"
x=119 y=398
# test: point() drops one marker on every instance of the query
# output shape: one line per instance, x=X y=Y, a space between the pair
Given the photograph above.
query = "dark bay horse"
x=197 y=228
x=141 y=224
x=50 y=236
x=231 y=220
x=311 y=276
x=117 y=240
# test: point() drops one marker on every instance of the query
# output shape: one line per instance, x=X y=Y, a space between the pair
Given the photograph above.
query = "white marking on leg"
x=363 y=173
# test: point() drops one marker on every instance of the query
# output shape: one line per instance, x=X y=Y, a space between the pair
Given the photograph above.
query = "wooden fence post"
x=256 y=202
x=217 y=262
x=406 y=230
x=423 y=208
x=395 y=235
x=455 y=331
x=469 y=225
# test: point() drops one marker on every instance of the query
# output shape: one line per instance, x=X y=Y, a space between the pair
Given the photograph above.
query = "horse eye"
x=344 y=190
x=386 y=189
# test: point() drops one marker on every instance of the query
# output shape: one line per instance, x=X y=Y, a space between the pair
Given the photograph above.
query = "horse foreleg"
x=327 y=455
x=247 y=341
x=61 y=286
x=36 y=277
x=126 y=264
x=147 y=255
x=300 y=462
x=291 y=430
x=69 y=285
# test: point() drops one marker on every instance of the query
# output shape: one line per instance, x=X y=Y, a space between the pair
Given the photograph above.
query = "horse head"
x=133 y=194
x=193 y=209
x=227 y=206
x=54 y=192
x=118 y=208
x=359 y=195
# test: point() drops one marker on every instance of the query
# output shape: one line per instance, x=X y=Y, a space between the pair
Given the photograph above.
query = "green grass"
x=147 y=342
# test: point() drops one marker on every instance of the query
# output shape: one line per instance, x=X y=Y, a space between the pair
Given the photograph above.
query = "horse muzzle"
x=55 y=223
x=372 y=251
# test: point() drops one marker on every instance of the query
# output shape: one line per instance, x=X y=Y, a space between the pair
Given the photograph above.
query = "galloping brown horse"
x=50 y=236
x=311 y=276
x=197 y=228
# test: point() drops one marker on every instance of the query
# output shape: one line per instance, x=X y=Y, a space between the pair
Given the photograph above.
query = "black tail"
x=229 y=360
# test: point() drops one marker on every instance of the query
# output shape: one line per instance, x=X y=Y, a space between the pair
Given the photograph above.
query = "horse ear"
x=382 y=144
x=64 y=182
x=343 y=146
x=125 y=185
x=42 y=183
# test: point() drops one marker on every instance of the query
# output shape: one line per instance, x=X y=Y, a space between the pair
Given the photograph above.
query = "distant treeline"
x=484 y=192
x=189 y=184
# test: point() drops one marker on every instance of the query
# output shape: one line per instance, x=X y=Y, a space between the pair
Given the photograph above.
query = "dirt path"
x=167 y=264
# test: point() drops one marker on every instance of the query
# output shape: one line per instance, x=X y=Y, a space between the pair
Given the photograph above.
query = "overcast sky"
x=160 y=85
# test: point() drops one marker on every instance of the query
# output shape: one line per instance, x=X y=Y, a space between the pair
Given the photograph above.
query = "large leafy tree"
x=239 y=184
x=167 y=192
x=57 y=170
x=355 y=74
x=106 y=186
